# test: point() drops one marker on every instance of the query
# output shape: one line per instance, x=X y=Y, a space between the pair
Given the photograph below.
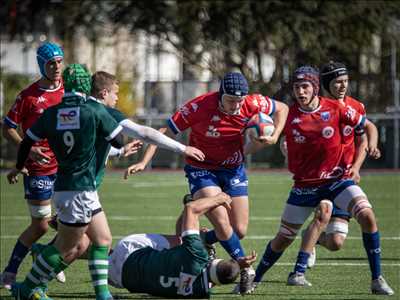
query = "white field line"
x=249 y=237
x=141 y=218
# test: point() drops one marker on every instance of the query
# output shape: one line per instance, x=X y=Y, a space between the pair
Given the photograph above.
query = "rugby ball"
x=260 y=125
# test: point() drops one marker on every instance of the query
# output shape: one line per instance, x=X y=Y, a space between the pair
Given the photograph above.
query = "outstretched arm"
x=147 y=156
x=194 y=209
x=152 y=136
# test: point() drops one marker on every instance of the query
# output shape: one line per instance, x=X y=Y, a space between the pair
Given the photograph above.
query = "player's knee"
x=39 y=228
x=335 y=242
x=241 y=231
x=362 y=209
x=285 y=236
x=323 y=213
x=40 y=211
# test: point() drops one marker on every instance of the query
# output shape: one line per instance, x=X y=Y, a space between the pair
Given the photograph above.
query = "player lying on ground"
x=170 y=265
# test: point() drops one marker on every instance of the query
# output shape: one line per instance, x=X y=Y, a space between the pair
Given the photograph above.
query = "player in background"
x=72 y=128
x=217 y=121
x=38 y=185
x=315 y=151
x=335 y=81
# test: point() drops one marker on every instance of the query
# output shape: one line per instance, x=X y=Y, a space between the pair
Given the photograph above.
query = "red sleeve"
x=264 y=104
x=16 y=112
x=350 y=116
x=187 y=115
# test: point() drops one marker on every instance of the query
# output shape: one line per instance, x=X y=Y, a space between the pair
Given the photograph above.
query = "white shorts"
x=126 y=247
x=76 y=207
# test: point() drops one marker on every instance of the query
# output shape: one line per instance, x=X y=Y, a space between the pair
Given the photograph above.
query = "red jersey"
x=28 y=107
x=217 y=134
x=348 y=133
x=314 y=141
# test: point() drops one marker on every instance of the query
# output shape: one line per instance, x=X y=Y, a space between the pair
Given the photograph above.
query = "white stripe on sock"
x=45 y=264
x=100 y=282
x=99 y=262
x=33 y=279
x=99 y=272
x=41 y=273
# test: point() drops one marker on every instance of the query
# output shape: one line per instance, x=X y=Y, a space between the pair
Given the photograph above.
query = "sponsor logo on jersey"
x=201 y=173
x=215 y=118
x=213 y=132
x=41 y=99
x=327 y=132
x=236 y=158
x=297 y=137
x=347 y=130
x=185 y=284
x=295 y=121
x=68 y=118
x=334 y=173
x=325 y=116
x=41 y=184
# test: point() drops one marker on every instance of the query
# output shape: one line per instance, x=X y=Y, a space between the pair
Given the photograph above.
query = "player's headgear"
x=331 y=71
x=307 y=73
x=47 y=52
x=234 y=84
x=223 y=271
x=77 y=79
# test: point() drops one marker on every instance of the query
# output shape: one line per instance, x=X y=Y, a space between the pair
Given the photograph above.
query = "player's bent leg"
x=239 y=215
x=336 y=233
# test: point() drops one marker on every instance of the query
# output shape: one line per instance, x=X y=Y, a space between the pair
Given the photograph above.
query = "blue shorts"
x=311 y=197
x=340 y=213
x=39 y=187
x=232 y=181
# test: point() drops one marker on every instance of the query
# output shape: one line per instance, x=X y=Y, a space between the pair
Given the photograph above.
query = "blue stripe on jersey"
x=273 y=107
x=172 y=126
x=10 y=123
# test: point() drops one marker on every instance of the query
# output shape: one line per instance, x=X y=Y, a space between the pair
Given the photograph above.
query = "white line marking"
x=249 y=237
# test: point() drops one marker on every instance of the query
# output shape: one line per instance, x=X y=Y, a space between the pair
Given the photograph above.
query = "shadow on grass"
x=117 y=296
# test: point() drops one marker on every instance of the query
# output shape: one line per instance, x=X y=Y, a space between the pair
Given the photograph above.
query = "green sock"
x=98 y=267
x=46 y=266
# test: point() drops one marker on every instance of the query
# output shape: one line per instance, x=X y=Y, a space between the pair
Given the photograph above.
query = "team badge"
x=213 y=132
x=68 y=118
x=328 y=132
x=347 y=130
x=325 y=116
x=41 y=99
x=194 y=106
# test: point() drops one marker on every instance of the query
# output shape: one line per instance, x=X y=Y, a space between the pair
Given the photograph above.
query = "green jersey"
x=179 y=271
x=71 y=129
x=103 y=146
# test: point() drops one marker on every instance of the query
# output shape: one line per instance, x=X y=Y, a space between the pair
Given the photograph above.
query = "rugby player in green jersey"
x=170 y=265
x=105 y=89
x=72 y=128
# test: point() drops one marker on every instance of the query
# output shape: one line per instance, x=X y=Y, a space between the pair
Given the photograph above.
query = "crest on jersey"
x=325 y=116
x=213 y=132
x=184 y=110
x=68 y=118
x=297 y=137
x=347 y=130
x=194 y=106
x=327 y=132
x=350 y=113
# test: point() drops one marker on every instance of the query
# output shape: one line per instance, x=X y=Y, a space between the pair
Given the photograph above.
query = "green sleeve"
x=116 y=114
x=107 y=126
